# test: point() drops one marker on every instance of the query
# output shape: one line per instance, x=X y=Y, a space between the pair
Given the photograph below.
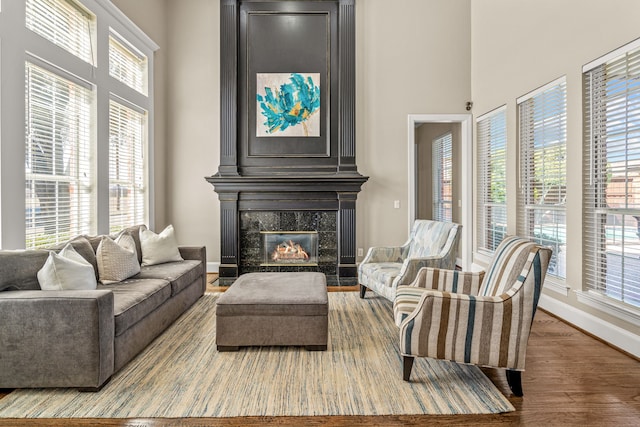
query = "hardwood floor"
x=571 y=379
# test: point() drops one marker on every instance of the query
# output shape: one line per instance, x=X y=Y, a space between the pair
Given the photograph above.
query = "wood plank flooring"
x=571 y=379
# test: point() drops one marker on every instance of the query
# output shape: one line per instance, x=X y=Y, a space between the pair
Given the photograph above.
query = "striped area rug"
x=182 y=375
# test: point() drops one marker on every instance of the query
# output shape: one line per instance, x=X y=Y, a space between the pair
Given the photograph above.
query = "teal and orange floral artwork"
x=288 y=104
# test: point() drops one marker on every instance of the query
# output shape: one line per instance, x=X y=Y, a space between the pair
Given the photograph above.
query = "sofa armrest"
x=56 y=338
x=194 y=252
x=198 y=253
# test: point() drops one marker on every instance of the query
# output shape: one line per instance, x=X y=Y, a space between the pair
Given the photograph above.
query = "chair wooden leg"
x=514 y=378
x=363 y=290
x=407 y=366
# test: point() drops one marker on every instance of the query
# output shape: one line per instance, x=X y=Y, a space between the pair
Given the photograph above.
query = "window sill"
x=557 y=285
x=609 y=306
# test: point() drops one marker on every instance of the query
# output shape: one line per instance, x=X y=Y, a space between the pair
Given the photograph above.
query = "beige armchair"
x=475 y=318
x=430 y=244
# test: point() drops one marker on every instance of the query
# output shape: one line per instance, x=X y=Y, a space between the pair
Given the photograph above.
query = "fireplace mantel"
x=287 y=174
x=287 y=183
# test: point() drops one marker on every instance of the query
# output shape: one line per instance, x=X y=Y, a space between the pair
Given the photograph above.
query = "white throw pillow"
x=159 y=248
x=67 y=270
x=117 y=259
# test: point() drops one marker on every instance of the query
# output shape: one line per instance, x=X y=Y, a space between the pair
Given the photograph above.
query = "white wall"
x=518 y=46
x=412 y=57
x=187 y=114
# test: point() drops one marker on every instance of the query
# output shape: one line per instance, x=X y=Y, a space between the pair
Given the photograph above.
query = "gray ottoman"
x=265 y=309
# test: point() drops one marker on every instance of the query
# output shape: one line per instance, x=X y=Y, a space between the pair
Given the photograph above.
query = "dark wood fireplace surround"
x=287 y=174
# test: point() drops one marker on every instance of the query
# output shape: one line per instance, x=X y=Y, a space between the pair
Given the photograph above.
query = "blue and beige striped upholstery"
x=475 y=318
x=430 y=244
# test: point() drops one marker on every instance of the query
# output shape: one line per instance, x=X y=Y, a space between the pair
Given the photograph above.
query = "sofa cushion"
x=380 y=272
x=117 y=260
x=181 y=273
x=67 y=270
x=84 y=247
x=133 y=299
x=134 y=231
x=18 y=269
x=159 y=248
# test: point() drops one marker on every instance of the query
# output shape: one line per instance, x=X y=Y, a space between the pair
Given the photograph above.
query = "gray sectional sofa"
x=80 y=338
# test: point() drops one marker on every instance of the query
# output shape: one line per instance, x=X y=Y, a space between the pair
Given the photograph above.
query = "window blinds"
x=492 y=186
x=126 y=65
x=442 y=174
x=127 y=146
x=543 y=147
x=58 y=168
x=64 y=23
x=611 y=181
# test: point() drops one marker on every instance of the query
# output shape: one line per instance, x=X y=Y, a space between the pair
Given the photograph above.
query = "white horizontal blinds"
x=65 y=23
x=58 y=169
x=127 y=147
x=127 y=65
x=442 y=175
x=612 y=178
x=492 y=185
x=543 y=176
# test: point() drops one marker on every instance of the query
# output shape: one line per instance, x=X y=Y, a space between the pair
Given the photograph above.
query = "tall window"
x=80 y=177
x=611 y=242
x=442 y=174
x=127 y=169
x=492 y=185
x=59 y=173
x=543 y=172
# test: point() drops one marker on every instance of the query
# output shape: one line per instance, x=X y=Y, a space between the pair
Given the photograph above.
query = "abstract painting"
x=288 y=104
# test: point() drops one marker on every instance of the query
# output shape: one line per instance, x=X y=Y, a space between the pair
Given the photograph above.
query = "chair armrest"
x=460 y=325
x=463 y=282
x=411 y=266
x=383 y=254
x=56 y=338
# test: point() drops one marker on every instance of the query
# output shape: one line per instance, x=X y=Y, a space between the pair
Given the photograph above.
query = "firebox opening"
x=289 y=248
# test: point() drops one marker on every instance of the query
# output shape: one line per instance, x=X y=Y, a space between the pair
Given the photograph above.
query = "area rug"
x=182 y=375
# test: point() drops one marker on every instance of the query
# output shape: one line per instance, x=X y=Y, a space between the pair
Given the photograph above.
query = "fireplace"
x=287 y=184
x=289 y=248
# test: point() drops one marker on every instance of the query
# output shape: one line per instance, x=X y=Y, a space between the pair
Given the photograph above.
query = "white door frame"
x=466 y=164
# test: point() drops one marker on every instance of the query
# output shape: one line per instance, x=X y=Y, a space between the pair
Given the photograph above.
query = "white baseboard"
x=612 y=334
x=213 y=267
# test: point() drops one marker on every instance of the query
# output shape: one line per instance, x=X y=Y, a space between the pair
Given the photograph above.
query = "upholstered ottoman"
x=274 y=309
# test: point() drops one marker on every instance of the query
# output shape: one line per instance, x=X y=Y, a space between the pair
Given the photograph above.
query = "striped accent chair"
x=479 y=318
x=430 y=244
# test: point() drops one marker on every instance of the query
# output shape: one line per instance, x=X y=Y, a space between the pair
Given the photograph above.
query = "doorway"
x=438 y=123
